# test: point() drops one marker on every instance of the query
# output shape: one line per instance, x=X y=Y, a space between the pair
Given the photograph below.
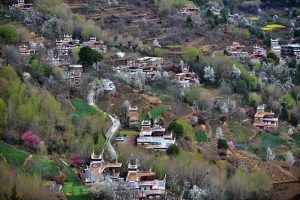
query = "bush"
x=222 y=144
x=8 y=33
x=176 y=128
x=31 y=140
x=158 y=52
x=173 y=150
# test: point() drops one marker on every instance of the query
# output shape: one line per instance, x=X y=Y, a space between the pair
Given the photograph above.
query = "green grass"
x=297 y=140
x=240 y=133
x=268 y=140
x=129 y=132
x=40 y=165
x=12 y=155
x=73 y=188
x=83 y=109
x=201 y=136
x=44 y=165
x=158 y=110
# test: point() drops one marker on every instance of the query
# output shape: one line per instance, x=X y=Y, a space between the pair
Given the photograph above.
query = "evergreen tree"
x=284 y=115
x=14 y=194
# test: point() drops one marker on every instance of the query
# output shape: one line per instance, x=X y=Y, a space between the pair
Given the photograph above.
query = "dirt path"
x=28 y=159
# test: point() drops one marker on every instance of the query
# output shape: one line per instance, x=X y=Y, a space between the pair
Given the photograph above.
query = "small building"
x=26 y=50
x=73 y=74
x=264 y=119
x=133 y=117
x=99 y=169
x=145 y=183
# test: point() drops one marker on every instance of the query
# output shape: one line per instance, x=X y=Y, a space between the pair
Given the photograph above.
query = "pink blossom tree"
x=31 y=140
x=75 y=160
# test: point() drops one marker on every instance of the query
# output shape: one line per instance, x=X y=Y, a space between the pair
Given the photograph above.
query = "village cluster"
x=137 y=71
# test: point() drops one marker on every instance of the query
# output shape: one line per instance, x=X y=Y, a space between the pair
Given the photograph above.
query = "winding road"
x=112 y=131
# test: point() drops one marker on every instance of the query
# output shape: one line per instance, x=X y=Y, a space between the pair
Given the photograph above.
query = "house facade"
x=133 y=117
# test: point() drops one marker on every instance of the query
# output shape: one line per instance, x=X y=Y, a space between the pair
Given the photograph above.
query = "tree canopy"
x=8 y=33
x=88 y=56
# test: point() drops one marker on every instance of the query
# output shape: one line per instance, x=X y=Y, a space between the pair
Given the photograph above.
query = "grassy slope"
x=16 y=157
x=268 y=140
x=82 y=108
x=239 y=133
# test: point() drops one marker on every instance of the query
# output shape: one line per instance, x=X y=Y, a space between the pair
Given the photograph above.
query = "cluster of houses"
x=22 y=5
x=154 y=137
x=237 y=51
x=143 y=183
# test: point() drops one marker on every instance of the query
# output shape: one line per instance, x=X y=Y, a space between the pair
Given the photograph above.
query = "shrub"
x=75 y=160
x=222 y=144
x=173 y=150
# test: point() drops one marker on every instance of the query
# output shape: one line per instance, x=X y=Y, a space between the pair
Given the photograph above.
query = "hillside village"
x=153 y=99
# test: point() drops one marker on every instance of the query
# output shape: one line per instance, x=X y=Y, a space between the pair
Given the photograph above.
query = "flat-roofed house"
x=155 y=137
x=264 y=119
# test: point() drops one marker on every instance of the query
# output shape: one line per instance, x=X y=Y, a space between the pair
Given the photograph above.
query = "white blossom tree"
x=165 y=74
x=209 y=74
x=224 y=108
x=219 y=133
x=289 y=158
x=290 y=131
x=270 y=155
x=236 y=72
x=181 y=64
x=156 y=44
x=125 y=107
x=198 y=193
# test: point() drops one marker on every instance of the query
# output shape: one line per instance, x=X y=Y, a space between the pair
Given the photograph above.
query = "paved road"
x=113 y=130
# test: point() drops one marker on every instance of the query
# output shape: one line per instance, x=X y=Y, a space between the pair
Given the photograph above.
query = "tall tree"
x=3 y=117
